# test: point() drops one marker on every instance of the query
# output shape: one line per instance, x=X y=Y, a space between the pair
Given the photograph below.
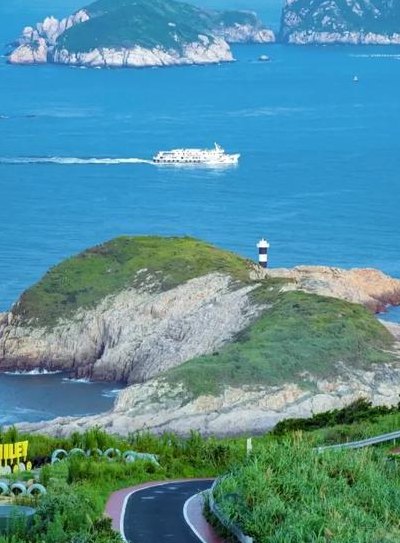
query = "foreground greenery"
x=78 y=488
x=288 y=493
x=299 y=334
x=285 y=492
x=155 y=262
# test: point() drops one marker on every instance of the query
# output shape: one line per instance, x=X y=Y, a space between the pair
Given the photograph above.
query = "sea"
x=319 y=174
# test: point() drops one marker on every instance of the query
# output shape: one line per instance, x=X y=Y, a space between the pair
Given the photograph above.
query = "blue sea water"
x=319 y=174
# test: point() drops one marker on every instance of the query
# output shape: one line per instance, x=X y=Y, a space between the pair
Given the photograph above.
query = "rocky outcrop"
x=202 y=52
x=134 y=335
x=246 y=33
x=367 y=22
x=368 y=287
x=159 y=407
x=36 y=44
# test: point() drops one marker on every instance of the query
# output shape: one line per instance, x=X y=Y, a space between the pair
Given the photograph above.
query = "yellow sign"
x=12 y=452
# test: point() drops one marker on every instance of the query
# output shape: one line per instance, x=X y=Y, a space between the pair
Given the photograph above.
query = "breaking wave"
x=73 y=160
x=83 y=380
x=32 y=372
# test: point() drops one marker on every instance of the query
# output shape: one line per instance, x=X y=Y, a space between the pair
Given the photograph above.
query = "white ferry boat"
x=209 y=157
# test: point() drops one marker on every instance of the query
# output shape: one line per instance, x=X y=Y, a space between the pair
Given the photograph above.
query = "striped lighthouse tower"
x=263 y=247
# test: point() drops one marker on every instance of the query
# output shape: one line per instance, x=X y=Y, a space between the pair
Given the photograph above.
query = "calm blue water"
x=44 y=397
x=319 y=175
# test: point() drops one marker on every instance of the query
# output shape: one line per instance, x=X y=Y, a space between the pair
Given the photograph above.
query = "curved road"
x=155 y=514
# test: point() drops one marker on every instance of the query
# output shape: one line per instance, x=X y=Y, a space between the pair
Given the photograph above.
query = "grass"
x=154 y=262
x=287 y=493
x=300 y=333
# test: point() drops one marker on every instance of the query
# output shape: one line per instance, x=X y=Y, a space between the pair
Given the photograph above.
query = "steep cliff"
x=206 y=338
x=137 y=33
x=341 y=21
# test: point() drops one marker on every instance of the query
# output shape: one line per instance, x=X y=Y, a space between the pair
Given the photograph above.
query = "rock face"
x=159 y=407
x=370 y=22
x=134 y=335
x=367 y=287
x=246 y=33
x=202 y=52
x=136 y=33
x=36 y=43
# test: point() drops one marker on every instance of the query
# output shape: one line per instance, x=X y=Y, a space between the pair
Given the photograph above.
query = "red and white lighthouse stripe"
x=263 y=247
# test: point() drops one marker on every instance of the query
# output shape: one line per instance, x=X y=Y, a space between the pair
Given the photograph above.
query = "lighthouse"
x=263 y=247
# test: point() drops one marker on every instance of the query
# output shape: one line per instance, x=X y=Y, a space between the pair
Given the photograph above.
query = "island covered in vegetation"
x=138 y=33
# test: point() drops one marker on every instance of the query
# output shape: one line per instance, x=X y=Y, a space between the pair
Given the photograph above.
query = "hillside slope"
x=341 y=21
x=139 y=33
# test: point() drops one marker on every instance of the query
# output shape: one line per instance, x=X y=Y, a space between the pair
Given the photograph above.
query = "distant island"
x=138 y=33
x=369 y=22
x=203 y=338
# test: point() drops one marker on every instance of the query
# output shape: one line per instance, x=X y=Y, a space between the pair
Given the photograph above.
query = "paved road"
x=155 y=514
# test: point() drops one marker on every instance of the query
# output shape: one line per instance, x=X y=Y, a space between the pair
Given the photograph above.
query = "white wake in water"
x=73 y=160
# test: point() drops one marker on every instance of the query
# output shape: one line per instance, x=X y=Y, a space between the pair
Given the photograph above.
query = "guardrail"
x=362 y=442
x=226 y=523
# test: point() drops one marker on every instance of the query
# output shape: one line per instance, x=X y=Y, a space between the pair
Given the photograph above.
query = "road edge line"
x=186 y=517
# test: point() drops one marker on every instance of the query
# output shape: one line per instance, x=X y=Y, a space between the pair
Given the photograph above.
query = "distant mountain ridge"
x=138 y=33
x=341 y=21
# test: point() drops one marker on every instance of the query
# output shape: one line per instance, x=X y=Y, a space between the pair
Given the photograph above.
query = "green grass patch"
x=299 y=333
x=85 y=279
x=288 y=493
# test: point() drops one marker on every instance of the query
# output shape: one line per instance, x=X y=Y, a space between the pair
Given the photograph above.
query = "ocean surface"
x=34 y=397
x=319 y=174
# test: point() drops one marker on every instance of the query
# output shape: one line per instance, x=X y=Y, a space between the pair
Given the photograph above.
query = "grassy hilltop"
x=117 y=24
x=85 y=279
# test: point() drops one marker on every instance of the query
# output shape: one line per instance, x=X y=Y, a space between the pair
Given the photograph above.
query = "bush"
x=360 y=410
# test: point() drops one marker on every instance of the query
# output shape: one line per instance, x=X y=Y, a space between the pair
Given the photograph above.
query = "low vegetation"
x=154 y=262
x=298 y=334
x=288 y=493
x=285 y=492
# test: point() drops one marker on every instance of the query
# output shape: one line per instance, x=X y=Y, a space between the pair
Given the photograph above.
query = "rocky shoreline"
x=158 y=407
x=309 y=37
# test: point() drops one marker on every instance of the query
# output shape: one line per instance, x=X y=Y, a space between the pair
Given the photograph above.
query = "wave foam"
x=111 y=393
x=32 y=372
x=72 y=160
x=83 y=381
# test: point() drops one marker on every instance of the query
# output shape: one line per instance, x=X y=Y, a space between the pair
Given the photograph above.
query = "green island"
x=283 y=492
x=126 y=23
